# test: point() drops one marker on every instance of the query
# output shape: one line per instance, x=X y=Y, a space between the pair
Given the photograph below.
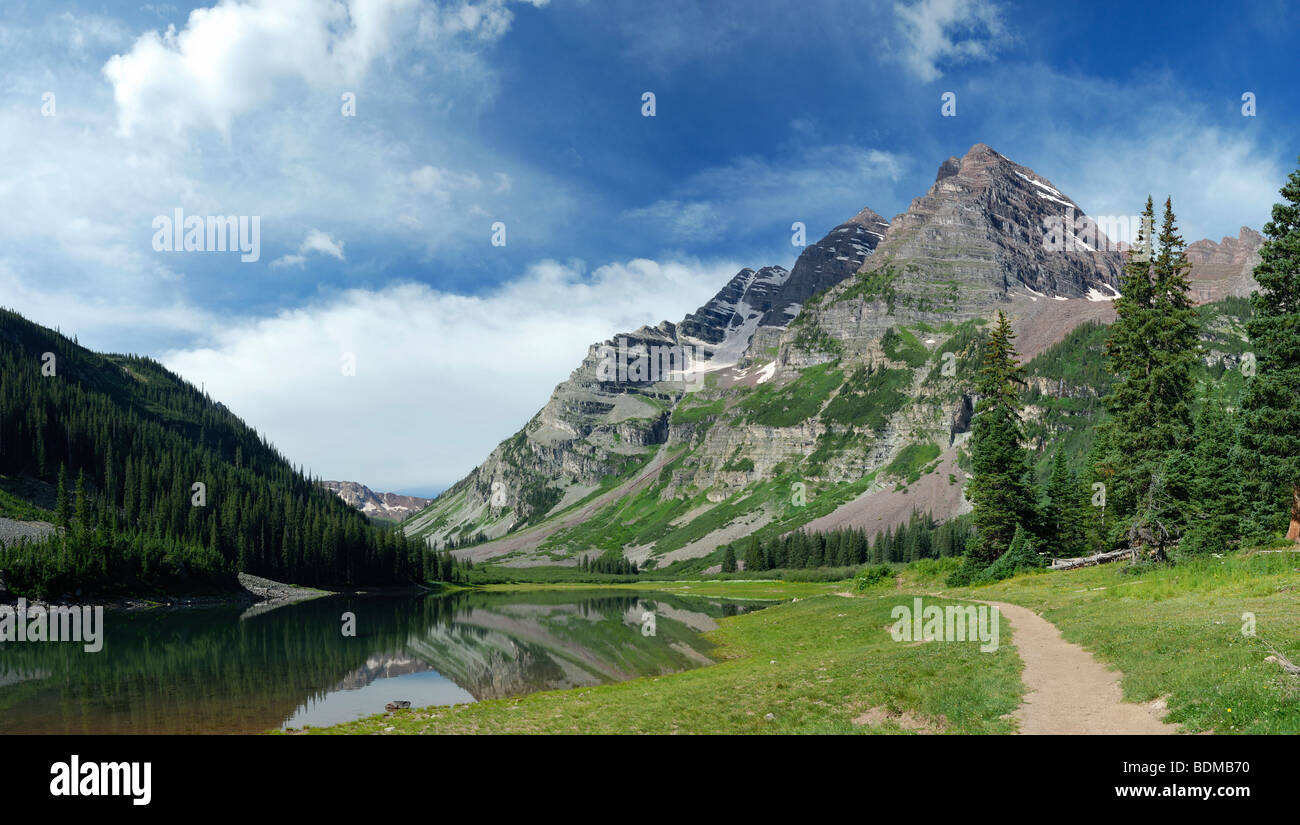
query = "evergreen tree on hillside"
x=1099 y=516
x=728 y=560
x=62 y=508
x=1271 y=406
x=136 y=437
x=999 y=487
x=1022 y=555
x=1152 y=350
x=1063 y=518
x=1216 y=485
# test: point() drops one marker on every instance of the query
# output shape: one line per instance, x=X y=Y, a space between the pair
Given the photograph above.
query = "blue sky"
x=376 y=229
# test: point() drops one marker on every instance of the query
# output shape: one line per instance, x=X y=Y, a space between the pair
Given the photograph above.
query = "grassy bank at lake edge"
x=815 y=665
x=1175 y=632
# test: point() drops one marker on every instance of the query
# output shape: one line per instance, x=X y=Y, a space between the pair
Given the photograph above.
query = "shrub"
x=873 y=576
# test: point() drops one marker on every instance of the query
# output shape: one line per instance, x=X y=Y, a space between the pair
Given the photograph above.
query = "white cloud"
x=1218 y=181
x=750 y=192
x=442 y=184
x=82 y=194
x=948 y=32
x=1221 y=169
x=440 y=378
x=316 y=241
x=236 y=58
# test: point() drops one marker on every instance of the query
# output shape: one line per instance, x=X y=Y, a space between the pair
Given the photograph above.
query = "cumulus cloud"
x=439 y=378
x=235 y=58
x=83 y=194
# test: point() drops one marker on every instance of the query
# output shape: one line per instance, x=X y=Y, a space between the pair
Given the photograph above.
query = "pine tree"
x=62 y=507
x=728 y=560
x=1020 y=556
x=1062 y=516
x=1216 y=485
x=1152 y=351
x=999 y=486
x=1271 y=406
x=1099 y=470
x=83 y=506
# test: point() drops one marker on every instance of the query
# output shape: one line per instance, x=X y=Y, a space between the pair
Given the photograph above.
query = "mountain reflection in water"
x=227 y=670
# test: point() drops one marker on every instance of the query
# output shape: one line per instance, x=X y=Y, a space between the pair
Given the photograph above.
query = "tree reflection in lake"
x=229 y=670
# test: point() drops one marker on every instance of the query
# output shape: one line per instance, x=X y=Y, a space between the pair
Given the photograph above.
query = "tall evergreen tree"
x=1215 y=522
x=1063 y=519
x=62 y=507
x=1271 y=406
x=999 y=487
x=1152 y=351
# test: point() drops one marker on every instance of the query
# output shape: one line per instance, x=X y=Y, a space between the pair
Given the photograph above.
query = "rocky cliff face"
x=389 y=506
x=837 y=393
x=822 y=265
x=616 y=405
x=1224 y=268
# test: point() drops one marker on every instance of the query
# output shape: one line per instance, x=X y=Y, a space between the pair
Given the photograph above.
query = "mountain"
x=155 y=486
x=383 y=506
x=1225 y=269
x=836 y=394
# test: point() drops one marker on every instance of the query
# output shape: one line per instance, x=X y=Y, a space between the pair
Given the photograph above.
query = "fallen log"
x=1088 y=561
x=1282 y=661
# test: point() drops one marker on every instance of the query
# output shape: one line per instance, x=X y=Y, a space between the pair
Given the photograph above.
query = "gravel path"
x=1069 y=690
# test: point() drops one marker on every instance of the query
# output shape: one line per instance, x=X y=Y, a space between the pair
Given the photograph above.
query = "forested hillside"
x=155 y=485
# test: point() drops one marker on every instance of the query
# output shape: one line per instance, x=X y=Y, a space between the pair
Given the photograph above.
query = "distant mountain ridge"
x=388 y=506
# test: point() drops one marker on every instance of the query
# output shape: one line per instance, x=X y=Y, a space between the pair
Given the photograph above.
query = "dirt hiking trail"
x=1068 y=690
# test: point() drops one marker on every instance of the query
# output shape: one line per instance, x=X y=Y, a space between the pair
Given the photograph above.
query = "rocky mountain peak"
x=749 y=295
x=948 y=168
x=984 y=226
x=869 y=219
x=975 y=242
x=826 y=263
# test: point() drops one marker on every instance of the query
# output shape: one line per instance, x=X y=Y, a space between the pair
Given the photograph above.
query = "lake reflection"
x=230 y=670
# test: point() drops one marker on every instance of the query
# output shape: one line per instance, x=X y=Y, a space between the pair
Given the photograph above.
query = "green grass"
x=690 y=411
x=795 y=402
x=870 y=398
x=902 y=345
x=875 y=286
x=814 y=665
x=14 y=507
x=911 y=460
x=739 y=465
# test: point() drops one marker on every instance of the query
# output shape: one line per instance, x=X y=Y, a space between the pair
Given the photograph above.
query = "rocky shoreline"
x=253 y=590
